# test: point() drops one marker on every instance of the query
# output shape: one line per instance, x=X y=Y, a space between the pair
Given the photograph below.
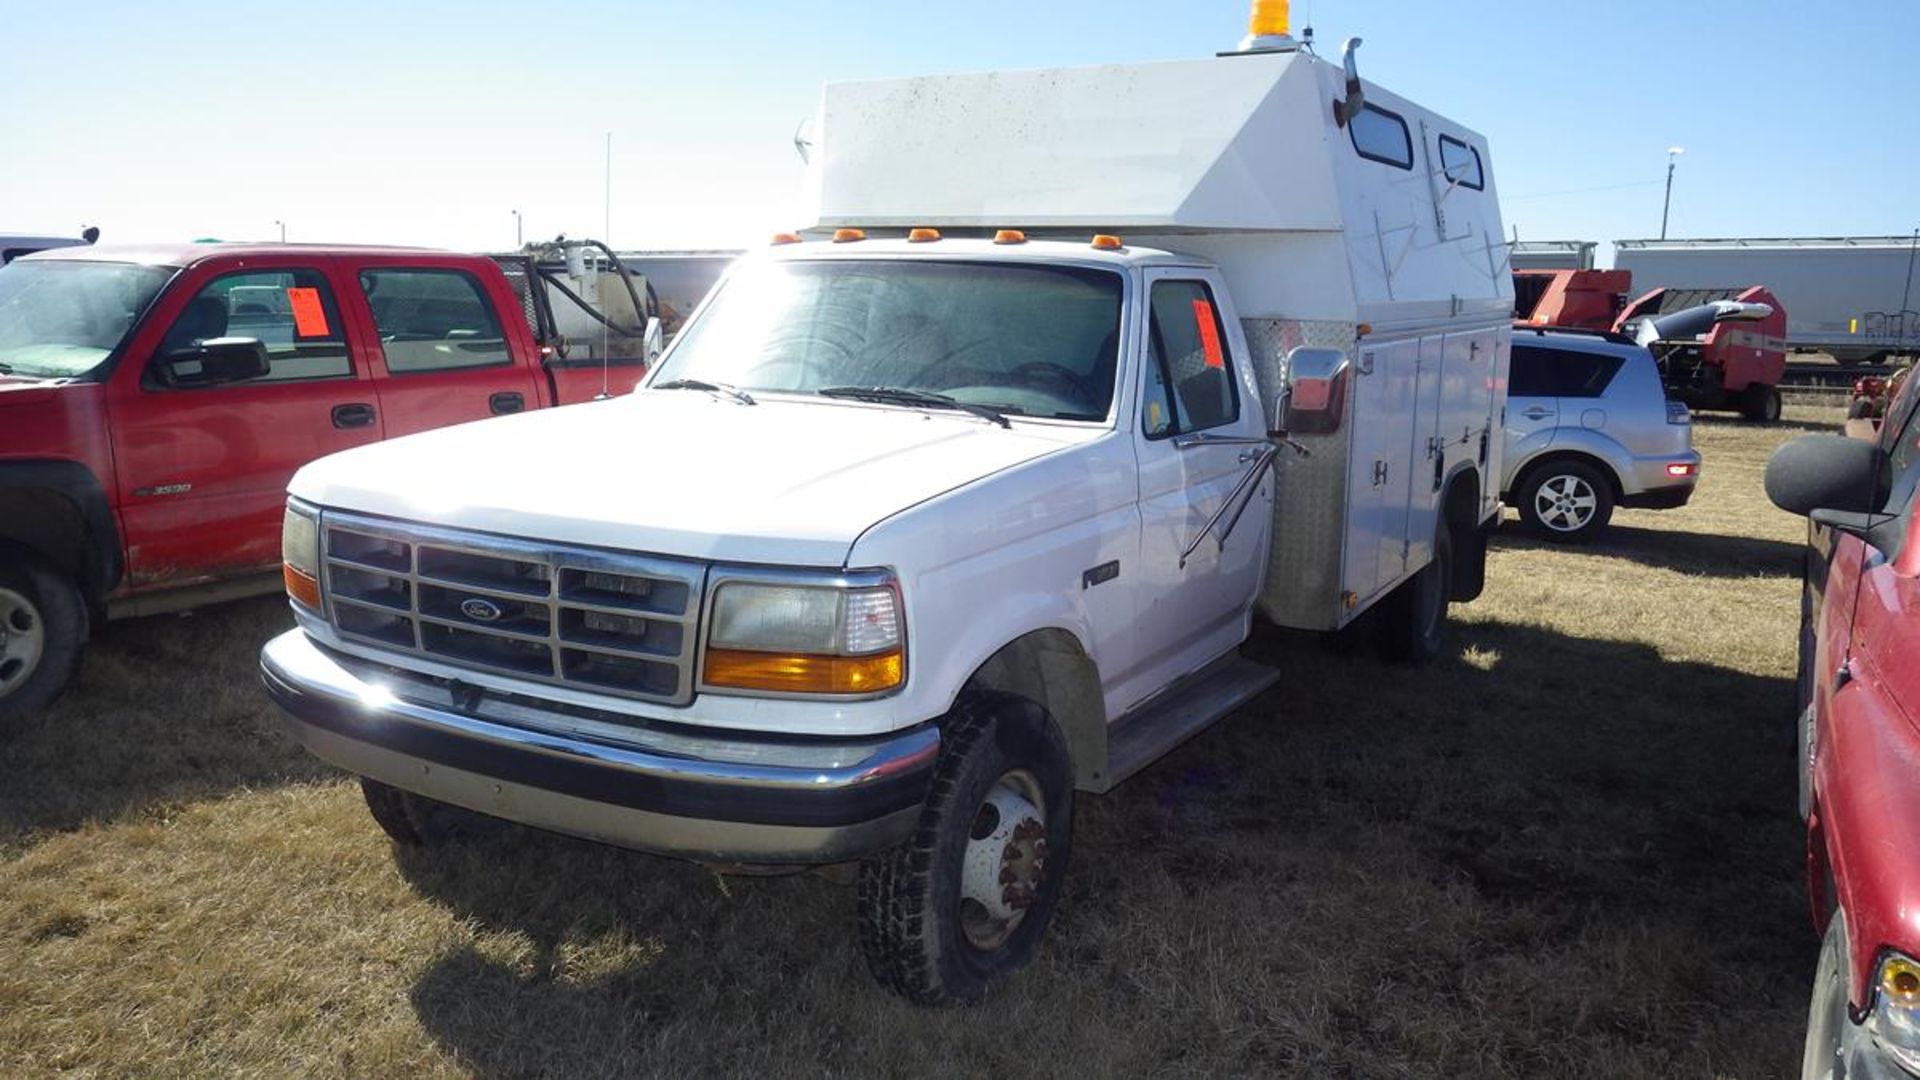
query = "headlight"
x=300 y=554
x=806 y=639
x=1896 y=1009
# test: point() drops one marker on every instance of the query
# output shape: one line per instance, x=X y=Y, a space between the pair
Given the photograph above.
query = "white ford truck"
x=956 y=507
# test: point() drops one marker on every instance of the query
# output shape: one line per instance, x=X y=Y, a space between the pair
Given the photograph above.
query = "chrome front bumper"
x=668 y=789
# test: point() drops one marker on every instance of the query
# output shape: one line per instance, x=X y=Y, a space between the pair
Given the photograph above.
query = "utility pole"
x=1672 y=153
x=283 y=230
x=517 y=242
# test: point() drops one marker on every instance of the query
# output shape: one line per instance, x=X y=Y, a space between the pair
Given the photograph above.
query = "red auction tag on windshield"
x=309 y=318
x=1209 y=333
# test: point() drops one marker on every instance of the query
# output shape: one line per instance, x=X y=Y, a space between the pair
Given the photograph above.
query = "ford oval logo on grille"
x=473 y=607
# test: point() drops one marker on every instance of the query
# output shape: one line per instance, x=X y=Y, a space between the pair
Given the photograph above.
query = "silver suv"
x=1589 y=427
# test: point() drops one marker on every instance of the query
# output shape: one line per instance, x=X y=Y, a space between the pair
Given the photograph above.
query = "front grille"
x=596 y=620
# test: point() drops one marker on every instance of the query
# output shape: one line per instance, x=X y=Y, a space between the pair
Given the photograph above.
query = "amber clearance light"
x=301 y=587
x=804 y=673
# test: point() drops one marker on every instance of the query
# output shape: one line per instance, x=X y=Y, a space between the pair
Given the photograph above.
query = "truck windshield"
x=60 y=319
x=1025 y=339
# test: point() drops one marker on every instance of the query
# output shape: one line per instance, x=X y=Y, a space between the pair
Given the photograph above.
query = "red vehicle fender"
x=1865 y=825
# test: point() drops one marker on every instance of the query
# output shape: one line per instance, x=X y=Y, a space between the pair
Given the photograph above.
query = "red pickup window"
x=433 y=320
x=291 y=312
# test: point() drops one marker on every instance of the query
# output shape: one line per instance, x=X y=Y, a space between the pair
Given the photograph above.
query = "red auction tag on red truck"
x=309 y=318
x=1209 y=333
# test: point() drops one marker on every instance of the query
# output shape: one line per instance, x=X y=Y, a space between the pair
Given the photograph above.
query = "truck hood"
x=678 y=472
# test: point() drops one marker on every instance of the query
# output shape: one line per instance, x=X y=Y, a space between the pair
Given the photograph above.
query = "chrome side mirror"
x=655 y=339
x=1315 y=399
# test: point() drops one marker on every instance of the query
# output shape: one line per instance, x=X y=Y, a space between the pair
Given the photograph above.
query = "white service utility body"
x=906 y=539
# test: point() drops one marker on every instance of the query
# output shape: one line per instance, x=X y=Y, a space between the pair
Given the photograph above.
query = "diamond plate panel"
x=1303 y=583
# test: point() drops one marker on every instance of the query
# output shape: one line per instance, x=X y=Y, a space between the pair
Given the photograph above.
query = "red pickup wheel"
x=962 y=904
x=43 y=627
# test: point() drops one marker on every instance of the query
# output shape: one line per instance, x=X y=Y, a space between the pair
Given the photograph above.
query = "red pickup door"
x=1860 y=738
x=154 y=402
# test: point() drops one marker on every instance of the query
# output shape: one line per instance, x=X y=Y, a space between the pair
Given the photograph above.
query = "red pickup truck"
x=154 y=402
x=1860 y=737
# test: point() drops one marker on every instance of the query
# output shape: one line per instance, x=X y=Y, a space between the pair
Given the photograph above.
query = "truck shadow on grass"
x=1545 y=855
x=167 y=710
x=1706 y=554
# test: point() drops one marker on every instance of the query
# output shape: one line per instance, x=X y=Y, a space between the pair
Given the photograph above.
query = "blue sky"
x=427 y=122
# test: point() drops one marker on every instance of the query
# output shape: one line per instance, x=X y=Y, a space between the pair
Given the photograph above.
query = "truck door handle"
x=358 y=414
x=511 y=401
x=1537 y=413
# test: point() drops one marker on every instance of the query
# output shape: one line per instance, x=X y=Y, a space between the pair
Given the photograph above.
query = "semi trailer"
x=1852 y=297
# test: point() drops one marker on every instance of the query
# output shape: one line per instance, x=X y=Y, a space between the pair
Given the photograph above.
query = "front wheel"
x=961 y=905
x=1568 y=502
x=43 y=628
x=417 y=821
x=1825 y=1057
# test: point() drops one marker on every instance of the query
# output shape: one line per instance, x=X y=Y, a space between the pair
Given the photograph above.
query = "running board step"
x=1178 y=713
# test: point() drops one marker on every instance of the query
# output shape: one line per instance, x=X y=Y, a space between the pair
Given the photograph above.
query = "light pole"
x=283 y=230
x=1673 y=152
x=516 y=231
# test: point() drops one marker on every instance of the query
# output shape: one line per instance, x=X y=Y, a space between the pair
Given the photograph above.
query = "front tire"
x=43 y=629
x=1824 y=1057
x=417 y=821
x=961 y=906
x=1568 y=502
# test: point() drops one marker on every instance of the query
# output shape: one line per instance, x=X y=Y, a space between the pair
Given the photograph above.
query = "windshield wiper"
x=900 y=395
x=733 y=392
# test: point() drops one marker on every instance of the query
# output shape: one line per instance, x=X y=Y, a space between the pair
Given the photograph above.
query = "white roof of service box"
x=1220 y=144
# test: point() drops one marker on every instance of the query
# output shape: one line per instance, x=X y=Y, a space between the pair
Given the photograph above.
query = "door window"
x=1541 y=372
x=433 y=320
x=291 y=312
x=1190 y=383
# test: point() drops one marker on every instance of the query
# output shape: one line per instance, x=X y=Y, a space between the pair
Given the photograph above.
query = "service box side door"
x=1467 y=429
x=1426 y=454
x=1384 y=387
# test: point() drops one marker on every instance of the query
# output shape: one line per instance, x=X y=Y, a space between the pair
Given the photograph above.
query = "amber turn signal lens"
x=847 y=236
x=785 y=238
x=923 y=236
x=301 y=587
x=1009 y=236
x=1900 y=980
x=741 y=669
x=1105 y=242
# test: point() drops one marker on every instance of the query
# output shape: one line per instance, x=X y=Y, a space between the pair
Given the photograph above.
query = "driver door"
x=202 y=471
x=1201 y=432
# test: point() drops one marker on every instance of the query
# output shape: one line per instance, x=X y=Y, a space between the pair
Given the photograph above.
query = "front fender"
x=94 y=555
x=1866 y=819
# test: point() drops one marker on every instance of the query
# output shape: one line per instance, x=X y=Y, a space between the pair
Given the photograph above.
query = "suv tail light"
x=1678 y=413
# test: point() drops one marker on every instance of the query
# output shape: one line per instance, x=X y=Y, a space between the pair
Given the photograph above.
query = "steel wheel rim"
x=1565 y=503
x=23 y=640
x=1004 y=865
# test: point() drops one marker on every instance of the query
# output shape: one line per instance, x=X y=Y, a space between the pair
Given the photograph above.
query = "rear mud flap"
x=1470 y=563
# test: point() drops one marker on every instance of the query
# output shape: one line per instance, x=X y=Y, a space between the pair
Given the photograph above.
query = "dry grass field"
x=1569 y=849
